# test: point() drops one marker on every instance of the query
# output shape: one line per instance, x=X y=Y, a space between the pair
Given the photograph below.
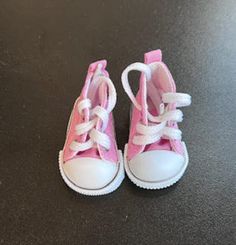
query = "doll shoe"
x=90 y=162
x=155 y=156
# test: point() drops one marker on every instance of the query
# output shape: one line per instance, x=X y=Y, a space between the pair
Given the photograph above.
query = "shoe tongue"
x=161 y=82
x=100 y=98
x=162 y=78
x=103 y=94
x=97 y=93
x=89 y=88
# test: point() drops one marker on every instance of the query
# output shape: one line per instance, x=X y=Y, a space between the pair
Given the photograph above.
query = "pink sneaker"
x=90 y=162
x=155 y=157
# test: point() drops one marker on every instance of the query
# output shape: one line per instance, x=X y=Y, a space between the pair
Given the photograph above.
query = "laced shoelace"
x=95 y=136
x=157 y=127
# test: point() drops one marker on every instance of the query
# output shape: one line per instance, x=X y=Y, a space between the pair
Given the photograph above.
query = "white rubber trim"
x=155 y=185
x=112 y=186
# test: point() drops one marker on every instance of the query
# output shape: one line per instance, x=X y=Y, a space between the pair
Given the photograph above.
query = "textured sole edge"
x=112 y=186
x=155 y=185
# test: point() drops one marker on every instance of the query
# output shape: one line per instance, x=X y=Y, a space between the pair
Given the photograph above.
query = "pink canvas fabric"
x=88 y=90
x=164 y=86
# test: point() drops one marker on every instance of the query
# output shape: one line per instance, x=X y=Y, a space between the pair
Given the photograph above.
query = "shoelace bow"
x=95 y=136
x=157 y=127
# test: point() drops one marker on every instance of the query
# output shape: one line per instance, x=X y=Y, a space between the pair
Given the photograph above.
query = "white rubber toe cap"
x=157 y=165
x=90 y=173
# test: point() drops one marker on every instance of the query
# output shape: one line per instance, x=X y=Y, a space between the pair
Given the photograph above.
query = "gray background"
x=45 y=49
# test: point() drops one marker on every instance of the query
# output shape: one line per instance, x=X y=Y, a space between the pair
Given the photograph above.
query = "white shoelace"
x=158 y=125
x=95 y=136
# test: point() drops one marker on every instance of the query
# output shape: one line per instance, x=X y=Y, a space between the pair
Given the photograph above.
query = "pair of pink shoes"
x=154 y=158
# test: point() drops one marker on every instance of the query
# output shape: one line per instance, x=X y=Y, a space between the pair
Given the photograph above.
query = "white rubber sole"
x=112 y=186
x=155 y=185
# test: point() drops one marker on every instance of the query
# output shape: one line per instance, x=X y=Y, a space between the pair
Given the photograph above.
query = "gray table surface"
x=45 y=49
